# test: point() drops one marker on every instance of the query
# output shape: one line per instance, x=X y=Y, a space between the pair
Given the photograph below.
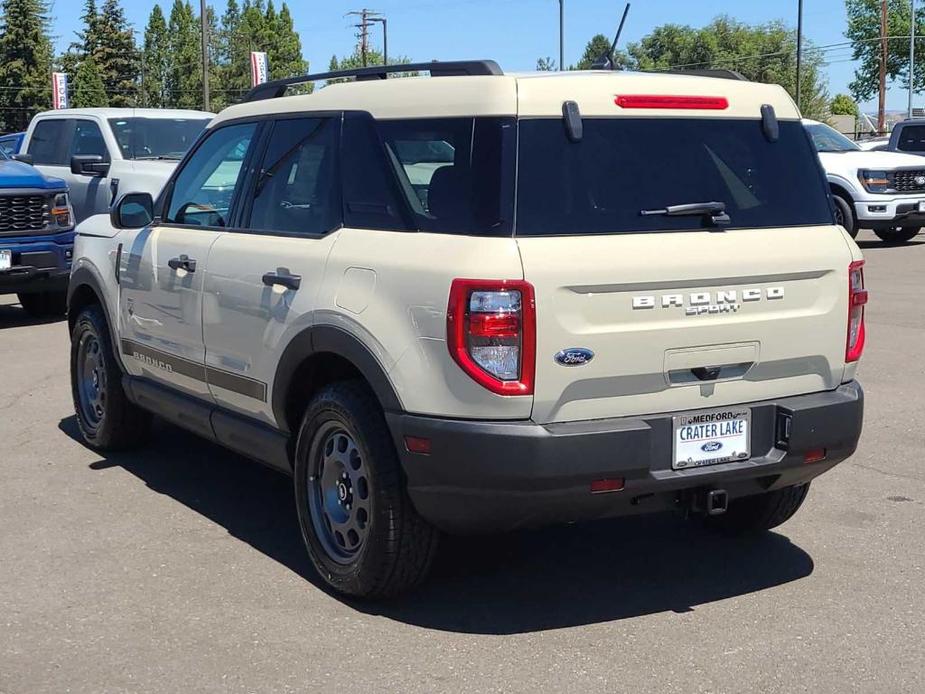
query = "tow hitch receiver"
x=711 y=502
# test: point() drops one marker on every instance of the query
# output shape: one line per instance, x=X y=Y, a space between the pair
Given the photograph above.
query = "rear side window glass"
x=624 y=166
x=203 y=190
x=456 y=173
x=297 y=186
x=912 y=138
x=45 y=143
x=373 y=197
x=88 y=139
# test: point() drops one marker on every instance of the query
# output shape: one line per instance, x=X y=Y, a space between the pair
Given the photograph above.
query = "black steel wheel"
x=360 y=529
x=105 y=417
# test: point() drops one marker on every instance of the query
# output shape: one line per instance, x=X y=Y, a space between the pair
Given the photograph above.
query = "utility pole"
x=881 y=106
x=799 y=51
x=911 y=58
x=385 y=37
x=561 y=34
x=366 y=18
x=204 y=21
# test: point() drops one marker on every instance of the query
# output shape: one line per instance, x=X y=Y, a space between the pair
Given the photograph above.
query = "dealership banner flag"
x=59 y=90
x=260 y=69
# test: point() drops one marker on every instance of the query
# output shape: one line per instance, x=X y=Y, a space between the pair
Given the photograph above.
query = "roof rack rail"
x=720 y=73
x=450 y=68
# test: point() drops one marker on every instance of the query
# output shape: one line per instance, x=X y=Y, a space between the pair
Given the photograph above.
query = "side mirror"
x=23 y=157
x=89 y=165
x=132 y=211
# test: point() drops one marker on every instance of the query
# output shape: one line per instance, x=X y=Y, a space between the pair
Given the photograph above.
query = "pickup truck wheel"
x=44 y=304
x=897 y=234
x=844 y=215
x=760 y=512
x=106 y=418
x=361 y=531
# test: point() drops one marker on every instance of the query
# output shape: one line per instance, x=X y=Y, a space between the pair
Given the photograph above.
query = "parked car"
x=883 y=191
x=480 y=302
x=36 y=237
x=100 y=152
x=874 y=144
x=11 y=143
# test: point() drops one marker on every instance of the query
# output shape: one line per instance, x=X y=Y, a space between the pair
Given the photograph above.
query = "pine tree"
x=184 y=77
x=116 y=56
x=25 y=61
x=155 y=61
x=284 y=50
x=89 y=90
x=88 y=40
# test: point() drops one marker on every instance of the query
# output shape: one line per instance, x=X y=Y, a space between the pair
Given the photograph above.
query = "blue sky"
x=514 y=32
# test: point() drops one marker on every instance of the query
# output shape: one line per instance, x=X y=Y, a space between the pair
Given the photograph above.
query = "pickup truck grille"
x=904 y=181
x=23 y=213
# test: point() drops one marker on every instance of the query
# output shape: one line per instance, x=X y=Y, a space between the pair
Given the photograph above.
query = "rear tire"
x=844 y=215
x=361 y=531
x=898 y=234
x=106 y=418
x=44 y=304
x=761 y=512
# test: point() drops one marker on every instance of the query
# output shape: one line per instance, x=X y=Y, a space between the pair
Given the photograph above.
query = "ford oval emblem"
x=574 y=356
x=711 y=446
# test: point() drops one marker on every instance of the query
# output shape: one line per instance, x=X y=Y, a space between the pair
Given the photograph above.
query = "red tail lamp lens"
x=614 y=484
x=417 y=444
x=696 y=103
x=814 y=456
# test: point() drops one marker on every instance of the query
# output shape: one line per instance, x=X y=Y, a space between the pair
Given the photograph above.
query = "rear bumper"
x=489 y=476
x=39 y=263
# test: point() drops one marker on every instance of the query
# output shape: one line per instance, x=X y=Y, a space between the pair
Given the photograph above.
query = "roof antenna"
x=607 y=62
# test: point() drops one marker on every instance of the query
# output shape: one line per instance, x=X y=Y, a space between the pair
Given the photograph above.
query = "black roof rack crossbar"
x=455 y=68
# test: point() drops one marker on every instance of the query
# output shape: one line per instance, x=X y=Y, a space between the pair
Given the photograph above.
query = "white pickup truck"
x=100 y=152
x=883 y=191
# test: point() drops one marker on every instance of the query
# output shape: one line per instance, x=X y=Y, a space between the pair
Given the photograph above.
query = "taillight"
x=857 y=298
x=491 y=333
x=697 y=103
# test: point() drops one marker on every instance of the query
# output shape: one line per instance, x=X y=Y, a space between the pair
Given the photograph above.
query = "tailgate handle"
x=707 y=373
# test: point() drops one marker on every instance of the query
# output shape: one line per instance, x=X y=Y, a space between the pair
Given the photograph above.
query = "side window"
x=45 y=144
x=203 y=190
x=88 y=139
x=297 y=188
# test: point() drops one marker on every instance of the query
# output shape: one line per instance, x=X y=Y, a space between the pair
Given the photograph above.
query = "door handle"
x=184 y=262
x=283 y=278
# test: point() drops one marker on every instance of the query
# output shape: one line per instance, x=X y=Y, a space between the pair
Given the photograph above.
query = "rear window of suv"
x=623 y=166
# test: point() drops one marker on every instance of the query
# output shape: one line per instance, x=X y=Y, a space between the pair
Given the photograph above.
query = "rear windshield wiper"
x=714 y=211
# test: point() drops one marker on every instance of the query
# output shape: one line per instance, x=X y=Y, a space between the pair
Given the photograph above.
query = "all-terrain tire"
x=397 y=546
x=107 y=419
x=760 y=512
x=44 y=304
x=844 y=215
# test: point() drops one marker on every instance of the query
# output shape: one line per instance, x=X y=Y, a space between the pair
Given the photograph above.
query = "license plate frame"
x=6 y=259
x=718 y=433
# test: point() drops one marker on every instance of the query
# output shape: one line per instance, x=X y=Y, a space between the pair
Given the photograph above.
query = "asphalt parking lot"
x=180 y=567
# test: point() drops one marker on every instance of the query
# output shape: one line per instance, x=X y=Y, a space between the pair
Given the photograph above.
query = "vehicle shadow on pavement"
x=508 y=584
x=13 y=316
x=873 y=245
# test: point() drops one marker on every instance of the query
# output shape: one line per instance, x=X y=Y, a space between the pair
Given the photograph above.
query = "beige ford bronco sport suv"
x=477 y=302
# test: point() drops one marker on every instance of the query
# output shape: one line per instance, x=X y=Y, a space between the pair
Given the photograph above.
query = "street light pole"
x=385 y=37
x=561 y=34
x=204 y=21
x=799 y=51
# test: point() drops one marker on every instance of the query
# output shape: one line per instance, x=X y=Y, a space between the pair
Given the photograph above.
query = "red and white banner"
x=260 y=68
x=59 y=90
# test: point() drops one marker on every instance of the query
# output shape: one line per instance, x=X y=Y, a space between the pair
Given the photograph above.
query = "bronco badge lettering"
x=699 y=303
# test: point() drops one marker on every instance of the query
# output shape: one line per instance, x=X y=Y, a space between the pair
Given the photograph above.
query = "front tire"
x=44 y=304
x=761 y=512
x=897 y=234
x=361 y=531
x=105 y=417
x=844 y=215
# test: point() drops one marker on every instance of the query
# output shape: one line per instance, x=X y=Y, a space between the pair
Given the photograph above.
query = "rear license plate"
x=6 y=260
x=711 y=437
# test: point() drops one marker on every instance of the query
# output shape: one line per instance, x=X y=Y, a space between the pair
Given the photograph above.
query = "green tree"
x=864 y=31
x=762 y=53
x=155 y=61
x=25 y=61
x=184 y=76
x=89 y=90
x=843 y=105
x=284 y=49
x=546 y=64
x=116 y=55
x=598 y=50
x=88 y=40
